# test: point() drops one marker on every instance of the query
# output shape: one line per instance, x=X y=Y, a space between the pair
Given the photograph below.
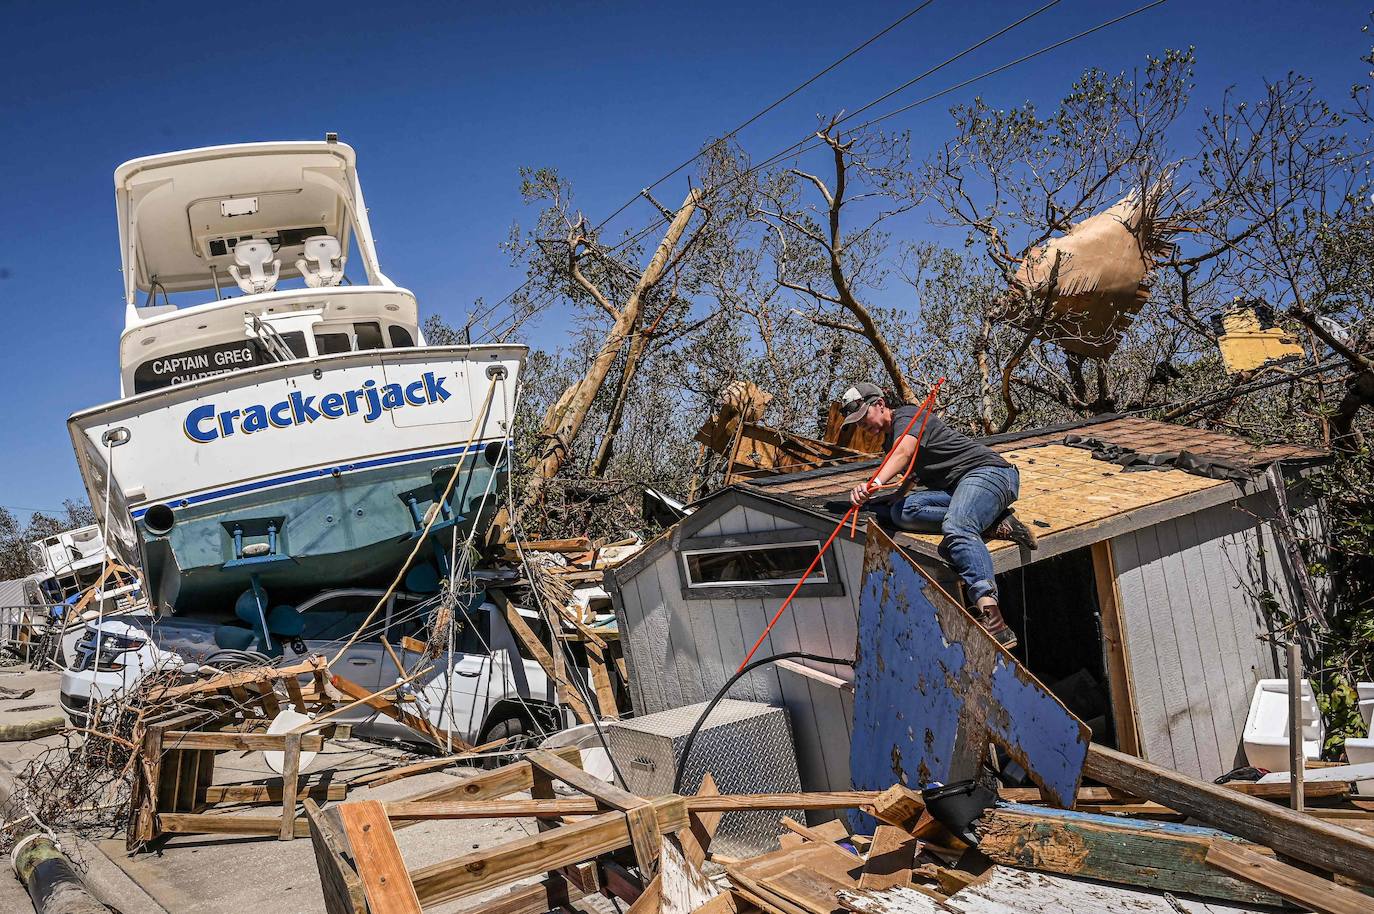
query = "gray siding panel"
x=1192 y=593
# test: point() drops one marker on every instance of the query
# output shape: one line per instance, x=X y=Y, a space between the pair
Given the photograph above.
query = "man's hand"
x=860 y=494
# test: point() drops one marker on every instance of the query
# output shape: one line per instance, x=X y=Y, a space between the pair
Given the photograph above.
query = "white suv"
x=495 y=691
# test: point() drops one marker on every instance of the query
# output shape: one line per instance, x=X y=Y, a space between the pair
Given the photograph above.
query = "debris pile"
x=1122 y=849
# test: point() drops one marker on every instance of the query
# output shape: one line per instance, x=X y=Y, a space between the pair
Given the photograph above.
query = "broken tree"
x=564 y=419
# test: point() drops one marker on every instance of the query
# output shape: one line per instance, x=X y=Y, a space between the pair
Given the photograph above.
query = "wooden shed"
x=1148 y=607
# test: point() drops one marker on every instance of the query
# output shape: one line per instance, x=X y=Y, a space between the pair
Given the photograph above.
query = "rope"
x=477 y=424
x=852 y=513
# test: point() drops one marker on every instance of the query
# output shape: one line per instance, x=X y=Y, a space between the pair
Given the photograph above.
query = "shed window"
x=784 y=563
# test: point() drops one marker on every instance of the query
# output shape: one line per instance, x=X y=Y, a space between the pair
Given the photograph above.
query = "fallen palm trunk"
x=53 y=884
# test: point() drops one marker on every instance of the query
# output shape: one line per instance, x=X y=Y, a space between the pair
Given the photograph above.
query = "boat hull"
x=329 y=491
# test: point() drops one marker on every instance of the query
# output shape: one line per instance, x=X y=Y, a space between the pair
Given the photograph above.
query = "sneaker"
x=990 y=617
x=1011 y=528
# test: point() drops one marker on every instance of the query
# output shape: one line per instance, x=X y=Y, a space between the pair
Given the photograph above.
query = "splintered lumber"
x=806 y=879
x=179 y=823
x=238 y=679
x=362 y=695
x=539 y=853
x=890 y=858
x=702 y=824
x=682 y=886
x=549 y=894
x=566 y=693
x=208 y=739
x=1279 y=790
x=1297 y=886
x=708 y=807
x=1315 y=841
x=271 y=793
x=494 y=784
x=379 y=862
x=644 y=835
x=900 y=806
x=1152 y=855
x=343 y=890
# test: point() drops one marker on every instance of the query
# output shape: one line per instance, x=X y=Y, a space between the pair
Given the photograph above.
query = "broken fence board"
x=1315 y=841
x=1152 y=855
x=931 y=687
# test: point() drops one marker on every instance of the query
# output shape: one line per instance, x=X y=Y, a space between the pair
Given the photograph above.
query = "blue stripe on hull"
x=342 y=468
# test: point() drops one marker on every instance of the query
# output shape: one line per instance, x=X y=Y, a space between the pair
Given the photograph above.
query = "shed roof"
x=1069 y=498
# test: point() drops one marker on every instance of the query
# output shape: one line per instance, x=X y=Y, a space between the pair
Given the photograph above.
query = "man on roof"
x=968 y=493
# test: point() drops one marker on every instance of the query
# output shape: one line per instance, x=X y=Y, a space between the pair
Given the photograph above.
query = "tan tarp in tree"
x=1104 y=263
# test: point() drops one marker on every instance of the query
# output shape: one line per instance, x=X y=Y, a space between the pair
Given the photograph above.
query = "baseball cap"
x=856 y=400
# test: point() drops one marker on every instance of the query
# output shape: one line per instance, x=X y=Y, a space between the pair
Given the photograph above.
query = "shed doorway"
x=1053 y=607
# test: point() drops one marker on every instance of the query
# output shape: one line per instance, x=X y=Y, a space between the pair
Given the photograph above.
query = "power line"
x=903 y=18
x=808 y=144
x=750 y=120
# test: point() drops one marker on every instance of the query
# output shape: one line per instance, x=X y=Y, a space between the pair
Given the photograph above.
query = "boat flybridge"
x=283 y=427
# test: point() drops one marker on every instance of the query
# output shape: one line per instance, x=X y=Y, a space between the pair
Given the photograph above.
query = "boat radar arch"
x=247 y=213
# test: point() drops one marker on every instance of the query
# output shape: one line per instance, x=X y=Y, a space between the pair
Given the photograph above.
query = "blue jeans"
x=978 y=500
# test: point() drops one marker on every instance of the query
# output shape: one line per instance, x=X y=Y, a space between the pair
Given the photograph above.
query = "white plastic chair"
x=255 y=256
x=322 y=263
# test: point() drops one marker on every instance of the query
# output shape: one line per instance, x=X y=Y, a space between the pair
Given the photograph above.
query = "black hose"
x=711 y=705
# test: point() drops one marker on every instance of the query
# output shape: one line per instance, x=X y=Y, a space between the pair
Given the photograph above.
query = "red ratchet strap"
x=852 y=515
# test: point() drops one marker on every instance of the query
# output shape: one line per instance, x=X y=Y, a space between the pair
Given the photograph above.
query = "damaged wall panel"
x=931 y=687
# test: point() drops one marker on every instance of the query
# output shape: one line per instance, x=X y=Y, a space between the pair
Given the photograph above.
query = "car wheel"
x=516 y=728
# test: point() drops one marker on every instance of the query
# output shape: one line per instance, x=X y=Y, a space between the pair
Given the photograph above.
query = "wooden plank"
x=603 y=791
x=538 y=853
x=220 y=824
x=378 y=859
x=645 y=838
x=702 y=825
x=238 y=679
x=1158 y=856
x=705 y=806
x=529 y=899
x=818 y=835
x=890 y=859
x=272 y=793
x=1306 y=838
x=1297 y=886
x=566 y=693
x=601 y=682
x=683 y=887
x=1278 y=790
x=248 y=742
x=1116 y=655
x=290 y=778
x=362 y=695
x=293 y=690
x=343 y=890
x=649 y=901
x=1085 y=795
x=952 y=687
x=901 y=806
x=491 y=785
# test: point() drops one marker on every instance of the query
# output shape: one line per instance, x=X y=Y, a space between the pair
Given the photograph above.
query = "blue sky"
x=445 y=103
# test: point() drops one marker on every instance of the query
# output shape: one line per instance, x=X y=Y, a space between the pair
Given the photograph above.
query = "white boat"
x=295 y=435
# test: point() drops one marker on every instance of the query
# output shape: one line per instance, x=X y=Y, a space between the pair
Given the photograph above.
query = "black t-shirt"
x=945 y=455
